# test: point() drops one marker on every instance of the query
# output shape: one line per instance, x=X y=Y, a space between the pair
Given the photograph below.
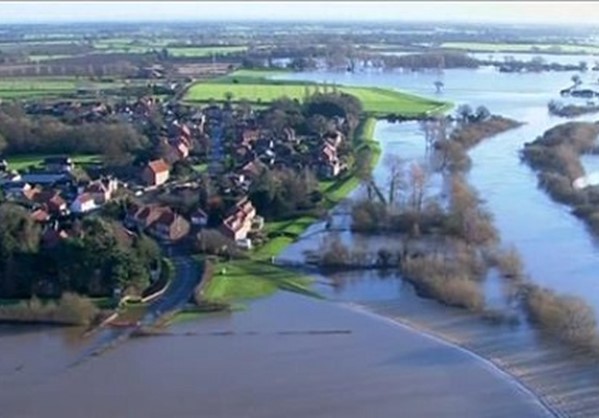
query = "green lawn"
x=522 y=47
x=249 y=279
x=19 y=162
x=200 y=168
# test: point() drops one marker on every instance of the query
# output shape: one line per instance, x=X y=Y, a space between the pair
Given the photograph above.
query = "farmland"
x=140 y=47
x=41 y=87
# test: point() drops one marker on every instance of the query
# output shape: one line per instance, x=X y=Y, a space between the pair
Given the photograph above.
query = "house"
x=238 y=223
x=16 y=189
x=329 y=165
x=143 y=216
x=199 y=218
x=52 y=200
x=334 y=138
x=59 y=164
x=101 y=190
x=46 y=178
x=252 y=169
x=40 y=215
x=169 y=227
x=156 y=173
x=83 y=203
x=10 y=177
x=249 y=136
x=177 y=151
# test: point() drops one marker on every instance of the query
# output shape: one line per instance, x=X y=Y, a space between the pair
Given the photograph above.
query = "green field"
x=43 y=87
x=504 y=47
x=147 y=45
x=19 y=162
x=248 y=279
x=204 y=51
x=375 y=100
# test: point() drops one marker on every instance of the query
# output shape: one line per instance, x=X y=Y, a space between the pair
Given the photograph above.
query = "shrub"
x=71 y=309
x=508 y=262
x=448 y=280
x=568 y=318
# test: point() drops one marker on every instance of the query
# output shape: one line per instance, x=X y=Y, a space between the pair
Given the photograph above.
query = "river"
x=294 y=356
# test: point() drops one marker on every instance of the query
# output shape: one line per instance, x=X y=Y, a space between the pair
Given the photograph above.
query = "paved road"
x=188 y=275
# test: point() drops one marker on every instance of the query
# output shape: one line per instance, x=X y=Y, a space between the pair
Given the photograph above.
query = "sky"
x=466 y=11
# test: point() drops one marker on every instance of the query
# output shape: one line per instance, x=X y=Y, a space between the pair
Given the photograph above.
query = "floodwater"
x=293 y=356
x=288 y=355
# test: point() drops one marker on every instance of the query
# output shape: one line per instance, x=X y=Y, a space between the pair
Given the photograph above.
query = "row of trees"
x=21 y=133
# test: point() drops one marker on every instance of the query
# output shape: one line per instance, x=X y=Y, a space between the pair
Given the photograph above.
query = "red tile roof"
x=158 y=166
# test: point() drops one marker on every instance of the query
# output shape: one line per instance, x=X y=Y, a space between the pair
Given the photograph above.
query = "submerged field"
x=522 y=47
x=255 y=88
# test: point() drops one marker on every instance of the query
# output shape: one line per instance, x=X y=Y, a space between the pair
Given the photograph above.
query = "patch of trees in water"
x=556 y=158
x=446 y=252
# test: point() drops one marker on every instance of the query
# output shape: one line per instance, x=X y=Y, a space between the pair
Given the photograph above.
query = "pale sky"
x=481 y=11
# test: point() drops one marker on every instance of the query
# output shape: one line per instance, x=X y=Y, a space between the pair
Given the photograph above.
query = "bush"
x=71 y=309
x=508 y=262
x=447 y=280
x=568 y=318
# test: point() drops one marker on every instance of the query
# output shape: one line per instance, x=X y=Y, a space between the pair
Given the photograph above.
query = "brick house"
x=238 y=223
x=156 y=173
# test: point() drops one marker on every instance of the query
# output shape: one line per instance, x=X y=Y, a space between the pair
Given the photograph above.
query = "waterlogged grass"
x=20 y=162
x=241 y=280
x=522 y=47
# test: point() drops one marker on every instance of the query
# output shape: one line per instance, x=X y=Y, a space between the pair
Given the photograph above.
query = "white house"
x=84 y=203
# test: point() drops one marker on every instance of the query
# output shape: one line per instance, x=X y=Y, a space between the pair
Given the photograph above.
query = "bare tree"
x=396 y=180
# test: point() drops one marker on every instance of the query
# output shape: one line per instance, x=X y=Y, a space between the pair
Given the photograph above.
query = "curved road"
x=187 y=277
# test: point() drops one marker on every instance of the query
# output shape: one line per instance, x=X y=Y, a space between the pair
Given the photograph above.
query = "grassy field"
x=204 y=51
x=48 y=87
x=250 y=279
x=143 y=46
x=376 y=101
x=19 y=162
x=502 y=47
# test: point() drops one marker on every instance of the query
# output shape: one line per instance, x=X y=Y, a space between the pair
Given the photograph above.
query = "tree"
x=439 y=86
x=482 y=114
x=396 y=180
x=464 y=113
x=317 y=124
x=229 y=96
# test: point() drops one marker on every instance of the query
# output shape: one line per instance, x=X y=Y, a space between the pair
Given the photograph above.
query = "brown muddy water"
x=285 y=356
